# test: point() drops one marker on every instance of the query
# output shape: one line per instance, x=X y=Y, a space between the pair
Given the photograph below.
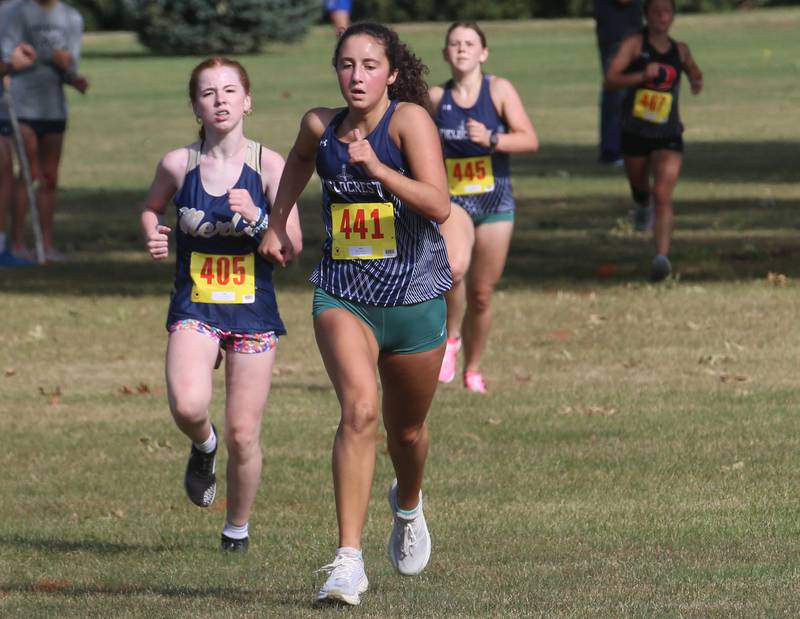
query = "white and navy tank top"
x=651 y=110
x=220 y=278
x=377 y=251
x=479 y=179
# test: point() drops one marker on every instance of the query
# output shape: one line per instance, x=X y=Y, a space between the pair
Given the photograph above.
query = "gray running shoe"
x=410 y=541
x=346 y=580
x=660 y=269
x=644 y=218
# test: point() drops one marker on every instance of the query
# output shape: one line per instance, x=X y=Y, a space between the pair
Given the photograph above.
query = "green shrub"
x=202 y=27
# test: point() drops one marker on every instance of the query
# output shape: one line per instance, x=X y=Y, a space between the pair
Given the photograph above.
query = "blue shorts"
x=338 y=5
x=402 y=330
x=5 y=128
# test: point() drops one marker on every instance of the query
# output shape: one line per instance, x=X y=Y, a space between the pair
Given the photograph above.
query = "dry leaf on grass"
x=779 y=280
x=521 y=376
x=47 y=585
x=726 y=377
x=10 y=372
x=562 y=334
x=493 y=422
x=53 y=397
x=588 y=411
x=736 y=466
x=140 y=389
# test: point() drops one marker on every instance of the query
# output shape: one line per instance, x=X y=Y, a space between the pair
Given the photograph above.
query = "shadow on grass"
x=557 y=241
x=63 y=588
x=730 y=162
x=89 y=545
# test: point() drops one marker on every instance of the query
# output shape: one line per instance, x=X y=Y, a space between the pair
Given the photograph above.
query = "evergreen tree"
x=202 y=27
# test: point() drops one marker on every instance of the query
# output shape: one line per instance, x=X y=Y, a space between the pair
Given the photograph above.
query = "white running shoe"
x=347 y=579
x=410 y=541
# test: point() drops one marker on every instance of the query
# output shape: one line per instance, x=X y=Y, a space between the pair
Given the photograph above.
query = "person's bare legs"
x=409 y=384
x=350 y=354
x=492 y=241
x=248 y=379
x=50 y=147
x=666 y=170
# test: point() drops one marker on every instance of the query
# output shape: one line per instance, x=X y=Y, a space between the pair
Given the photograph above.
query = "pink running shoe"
x=474 y=382
x=448 y=370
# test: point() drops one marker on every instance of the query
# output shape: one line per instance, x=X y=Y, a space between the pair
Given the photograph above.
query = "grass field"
x=637 y=455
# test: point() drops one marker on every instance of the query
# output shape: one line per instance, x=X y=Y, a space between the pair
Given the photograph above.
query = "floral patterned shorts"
x=247 y=343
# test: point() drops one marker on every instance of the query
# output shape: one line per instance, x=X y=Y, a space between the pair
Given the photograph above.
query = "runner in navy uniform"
x=222 y=187
x=650 y=65
x=481 y=120
x=380 y=282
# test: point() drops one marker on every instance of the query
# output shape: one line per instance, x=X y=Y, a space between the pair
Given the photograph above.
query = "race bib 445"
x=470 y=175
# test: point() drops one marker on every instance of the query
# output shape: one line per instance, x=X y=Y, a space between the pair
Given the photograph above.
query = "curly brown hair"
x=410 y=84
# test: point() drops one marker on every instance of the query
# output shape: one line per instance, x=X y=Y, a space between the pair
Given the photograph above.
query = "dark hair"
x=410 y=84
x=210 y=63
x=647 y=3
x=465 y=24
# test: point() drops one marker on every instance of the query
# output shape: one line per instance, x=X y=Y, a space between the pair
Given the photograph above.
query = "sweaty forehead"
x=362 y=46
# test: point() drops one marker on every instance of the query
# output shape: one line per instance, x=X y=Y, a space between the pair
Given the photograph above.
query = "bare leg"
x=488 y=260
x=350 y=354
x=50 y=146
x=666 y=170
x=409 y=384
x=459 y=235
x=248 y=378
x=190 y=363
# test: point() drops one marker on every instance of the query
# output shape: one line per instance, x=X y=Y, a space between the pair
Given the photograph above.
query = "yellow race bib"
x=363 y=231
x=652 y=105
x=223 y=279
x=470 y=175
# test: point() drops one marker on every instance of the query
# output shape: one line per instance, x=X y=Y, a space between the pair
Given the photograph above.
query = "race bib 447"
x=652 y=105
x=223 y=279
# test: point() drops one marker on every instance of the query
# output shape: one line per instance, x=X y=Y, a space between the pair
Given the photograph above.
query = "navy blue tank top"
x=377 y=251
x=220 y=278
x=480 y=180
x=651 y=110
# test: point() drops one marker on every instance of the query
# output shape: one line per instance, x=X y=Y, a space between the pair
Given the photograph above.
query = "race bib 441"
x=219 y=278
x=470 y=175
x=652 y=105
x=363 y=231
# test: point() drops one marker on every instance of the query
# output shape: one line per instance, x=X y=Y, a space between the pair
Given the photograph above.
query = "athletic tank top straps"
x=220 y=278
x=479 y=179
x=651 y=110
x=377 y=251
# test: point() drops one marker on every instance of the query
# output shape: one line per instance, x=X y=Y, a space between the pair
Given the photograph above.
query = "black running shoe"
x=234 y=545
x=201 y=476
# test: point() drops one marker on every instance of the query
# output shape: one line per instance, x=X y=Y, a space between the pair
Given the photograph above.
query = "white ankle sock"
x=210 y=444
x=234 y=531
